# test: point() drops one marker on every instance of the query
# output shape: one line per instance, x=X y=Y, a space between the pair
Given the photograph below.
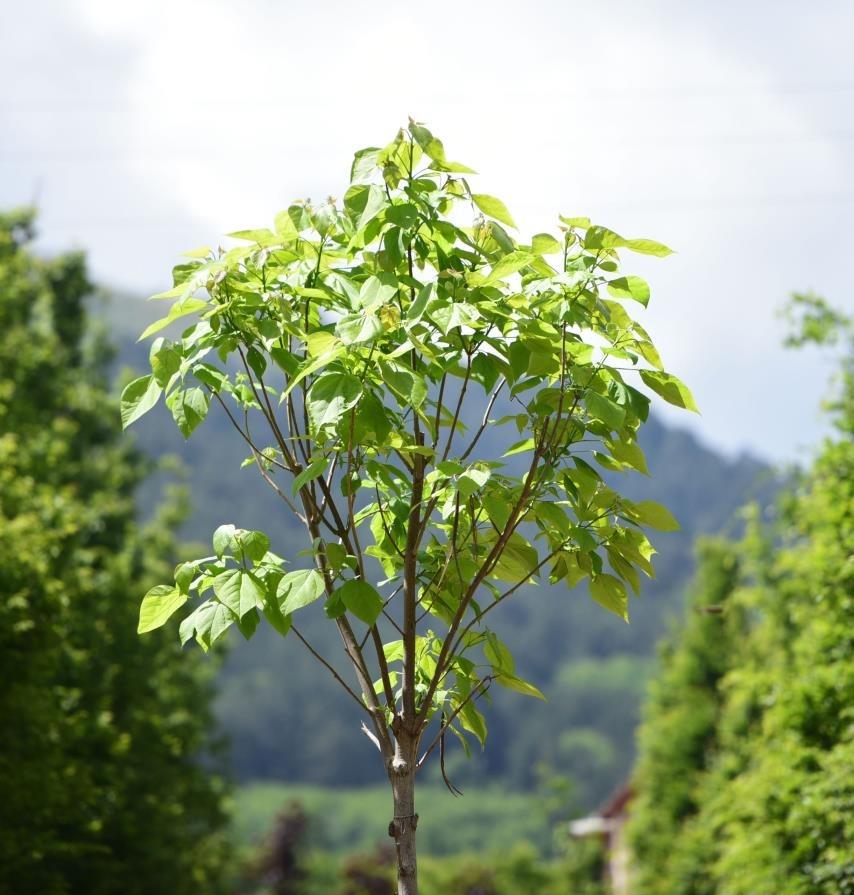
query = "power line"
x=629 y=91
x=701 y=203
x=710 y=139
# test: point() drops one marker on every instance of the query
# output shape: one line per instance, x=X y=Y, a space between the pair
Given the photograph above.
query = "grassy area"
x=350 y=820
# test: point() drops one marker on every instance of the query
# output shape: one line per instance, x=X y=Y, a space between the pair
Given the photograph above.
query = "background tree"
x=100 y=786
x=765 y=803
x=376 y=341
x=678 y=737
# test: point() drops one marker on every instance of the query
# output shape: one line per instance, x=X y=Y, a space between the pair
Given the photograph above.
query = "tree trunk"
x=402 y=827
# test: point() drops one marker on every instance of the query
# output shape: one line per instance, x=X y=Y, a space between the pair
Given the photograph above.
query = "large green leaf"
x=511 y=682
x=158 y=605
x=331 y=396
x=176 y=312
x=254 y=544
x=315 y=469
x=298 y=589
x=516 y=562
x=493 y=208
x=453 y=315
x=138 y=398
x=224 y=540
x=630 y=287
x=605 y=409
x=673 y=390
x=655 y=515
x=409 y=387
x=610 y=592
x=545 y=244
x=189 y=407
x=240 y=590
x=357 y=328
x=361 y=599
x=165 y=362
x=603 y=238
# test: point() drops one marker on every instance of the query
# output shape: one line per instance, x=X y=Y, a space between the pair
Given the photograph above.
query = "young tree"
x=387 y=348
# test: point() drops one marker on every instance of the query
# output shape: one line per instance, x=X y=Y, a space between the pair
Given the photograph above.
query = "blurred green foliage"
x=345 y=820
x=101 y=786
x=746 y=774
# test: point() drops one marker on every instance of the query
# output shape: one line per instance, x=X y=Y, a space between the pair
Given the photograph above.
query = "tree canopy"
x=101 y=789
x=365 y=333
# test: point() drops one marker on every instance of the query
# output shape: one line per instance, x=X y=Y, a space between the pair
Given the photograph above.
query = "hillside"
x=592 y=666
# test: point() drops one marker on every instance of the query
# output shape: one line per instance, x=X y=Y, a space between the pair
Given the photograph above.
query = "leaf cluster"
x=373 y=341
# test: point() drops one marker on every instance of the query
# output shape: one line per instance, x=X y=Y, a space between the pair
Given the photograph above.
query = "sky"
x=724 y=130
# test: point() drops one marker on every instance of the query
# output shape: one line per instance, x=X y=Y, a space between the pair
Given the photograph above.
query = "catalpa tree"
x=435 y=401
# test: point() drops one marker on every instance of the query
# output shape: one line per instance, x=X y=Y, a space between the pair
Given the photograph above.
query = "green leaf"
x=197 y=622
x=273 y=614
x=138 y=398
x=655 y=515
x=581 y=222
x=158 y=605
x=309 y=474
x=260 y=235
x=178 y=310
x=361 y=599
x=526 y=444
x=605 y=409
x=254 y=544
x=364 y=202
x=331 y=396
x=320 y=342
x=472 y=480
x=224 y=539
x=648 y=247
x=298 y=589
x=417 y=308
x=357 y=328
x=409 y=387
x=498 y=655
x=376 y=292
x=189 y=407
x=211 y=377
x=630 y=287
x=603 y=238
x=630 y=453
x=545 y=244
x=240 y=590
x=673 y=390
x=511 y=682
x=493 y=208
x=508 y=265
x=453 y=315
x=222 y=619
x=610 y=592
x=285 y=228
x=165 y=362
x=313 y=365
x=516 y=562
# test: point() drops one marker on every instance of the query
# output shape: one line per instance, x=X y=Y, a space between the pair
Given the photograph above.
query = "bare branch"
x=329 y=667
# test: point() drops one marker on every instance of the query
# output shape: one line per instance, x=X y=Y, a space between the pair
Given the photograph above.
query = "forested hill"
x=591 y=665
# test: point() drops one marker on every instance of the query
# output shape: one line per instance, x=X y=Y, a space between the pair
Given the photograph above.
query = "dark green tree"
x=679 y=733
x=745 y=779
x=101 y=790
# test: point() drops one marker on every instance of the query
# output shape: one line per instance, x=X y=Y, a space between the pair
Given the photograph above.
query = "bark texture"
x=403 y=825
